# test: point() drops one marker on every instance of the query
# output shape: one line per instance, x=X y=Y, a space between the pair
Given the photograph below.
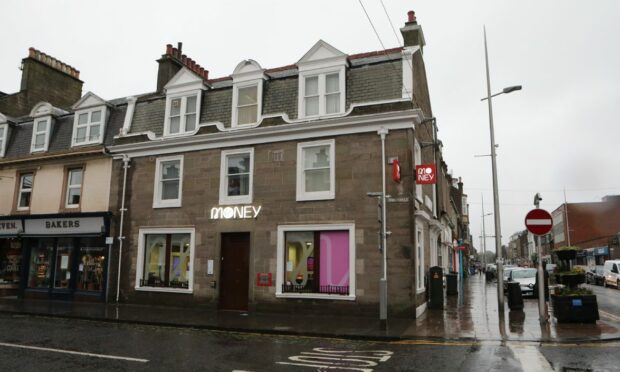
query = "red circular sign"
x=538 y=221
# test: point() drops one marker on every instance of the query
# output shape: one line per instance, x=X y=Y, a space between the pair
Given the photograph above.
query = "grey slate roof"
x=20 y=136
x=379 y=77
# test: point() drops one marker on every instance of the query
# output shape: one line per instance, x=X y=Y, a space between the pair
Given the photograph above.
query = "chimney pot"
x=183 y=58
x=168 y=49
x=411 y=16
x=31 y=52
x=180 y=46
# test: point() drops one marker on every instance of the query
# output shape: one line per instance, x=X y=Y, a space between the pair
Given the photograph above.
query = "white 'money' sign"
x=233 y=213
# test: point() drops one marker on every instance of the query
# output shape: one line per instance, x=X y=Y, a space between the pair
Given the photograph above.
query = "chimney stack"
x=412 y=32
x=172 y=61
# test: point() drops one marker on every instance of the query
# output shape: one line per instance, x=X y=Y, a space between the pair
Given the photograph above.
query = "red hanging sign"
x=396 y=171
x=425 y=174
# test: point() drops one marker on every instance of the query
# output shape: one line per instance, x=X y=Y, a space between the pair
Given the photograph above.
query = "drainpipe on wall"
x=383 y=281
x=121 y=237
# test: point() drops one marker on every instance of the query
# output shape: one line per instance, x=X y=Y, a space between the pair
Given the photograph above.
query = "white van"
x=611 y=273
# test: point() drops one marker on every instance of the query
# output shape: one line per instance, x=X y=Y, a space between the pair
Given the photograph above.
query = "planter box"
x=570 y=280
x=565 y=255
x=575 y=309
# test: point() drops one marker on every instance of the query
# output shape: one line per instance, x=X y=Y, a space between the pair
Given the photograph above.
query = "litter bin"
x=515 y=298
x=489 y=275
x=436 y=287
x=451 y=284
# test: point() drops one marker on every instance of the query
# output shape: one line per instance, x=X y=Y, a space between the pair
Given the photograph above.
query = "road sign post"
x=539 y=222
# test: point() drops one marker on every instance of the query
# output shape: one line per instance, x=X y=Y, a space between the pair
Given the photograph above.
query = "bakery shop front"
x=57 y=256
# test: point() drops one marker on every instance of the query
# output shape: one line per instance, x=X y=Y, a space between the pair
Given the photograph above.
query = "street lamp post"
x=484 y=236
x=498 y=232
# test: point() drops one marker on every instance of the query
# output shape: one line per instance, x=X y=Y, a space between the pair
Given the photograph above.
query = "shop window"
x=164 y=258
x=25 y=191
x=168 y=182
x=91 y=266
x=10 y=261
x=315 y=170
x=236 y=176
x=64 y=255
x=74 y=187
x=40 y=270
x=316 y=261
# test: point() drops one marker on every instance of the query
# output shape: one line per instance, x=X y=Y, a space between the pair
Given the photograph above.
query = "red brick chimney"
x=172 y=61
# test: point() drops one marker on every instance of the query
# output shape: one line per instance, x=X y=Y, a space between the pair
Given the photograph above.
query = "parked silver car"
x=526 y=277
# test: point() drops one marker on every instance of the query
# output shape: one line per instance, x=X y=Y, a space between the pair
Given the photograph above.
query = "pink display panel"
x=334 y=258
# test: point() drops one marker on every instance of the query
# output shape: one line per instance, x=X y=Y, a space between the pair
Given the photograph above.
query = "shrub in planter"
x=574 y=306
x=566 y=253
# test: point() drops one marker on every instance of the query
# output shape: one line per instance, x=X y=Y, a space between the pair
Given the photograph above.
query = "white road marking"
x=530 y=358
x=352 y=360
x=538 y=222
x=104 y=356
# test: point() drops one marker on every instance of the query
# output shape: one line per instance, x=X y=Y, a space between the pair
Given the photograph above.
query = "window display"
x=317 y=262
x=10 y=261
x=91 y=265
x=166 y=261
x=40 y=260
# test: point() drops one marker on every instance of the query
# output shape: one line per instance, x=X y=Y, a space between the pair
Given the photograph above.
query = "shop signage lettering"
x=61 y=224
x=11 y=227
x=233 y=213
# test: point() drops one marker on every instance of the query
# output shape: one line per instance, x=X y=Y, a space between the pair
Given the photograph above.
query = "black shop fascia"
x=55 y=256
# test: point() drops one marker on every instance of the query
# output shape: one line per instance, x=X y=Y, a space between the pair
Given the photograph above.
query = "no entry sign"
x=538 y=221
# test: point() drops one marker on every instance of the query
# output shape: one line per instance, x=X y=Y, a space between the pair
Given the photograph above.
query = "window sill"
x=164 y=290
x=420 y=290
x=310 y=197
x=316 y=296
x=230 y=201
x=158 y=206
x=90 y=143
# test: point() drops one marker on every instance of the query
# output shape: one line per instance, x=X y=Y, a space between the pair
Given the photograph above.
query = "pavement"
x=471 y=316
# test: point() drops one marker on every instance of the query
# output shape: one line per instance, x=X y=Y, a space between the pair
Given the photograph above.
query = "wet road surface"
x=49 y=344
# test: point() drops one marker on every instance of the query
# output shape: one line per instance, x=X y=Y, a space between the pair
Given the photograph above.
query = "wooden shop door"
x=234 y=271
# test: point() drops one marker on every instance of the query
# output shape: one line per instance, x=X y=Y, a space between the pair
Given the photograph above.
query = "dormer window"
x=89 y=121
x=247 y=103
x=40 y=134
x=183 y=98
x=182 y=115
x=322 y=81
x=88 y=127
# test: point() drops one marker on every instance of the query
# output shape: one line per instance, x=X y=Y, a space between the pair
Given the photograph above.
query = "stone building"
x=249 y=192
x=55 y=184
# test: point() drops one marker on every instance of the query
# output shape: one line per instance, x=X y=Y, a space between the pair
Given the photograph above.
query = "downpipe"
x=121 y=237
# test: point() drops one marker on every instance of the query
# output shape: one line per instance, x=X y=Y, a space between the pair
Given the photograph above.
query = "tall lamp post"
x=484 y=236
x=498 y=232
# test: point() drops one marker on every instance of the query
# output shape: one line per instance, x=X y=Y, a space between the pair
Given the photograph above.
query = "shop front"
x=59 y=256
x=10 y=256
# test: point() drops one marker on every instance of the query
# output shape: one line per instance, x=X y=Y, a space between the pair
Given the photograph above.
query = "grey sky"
x=557 y=132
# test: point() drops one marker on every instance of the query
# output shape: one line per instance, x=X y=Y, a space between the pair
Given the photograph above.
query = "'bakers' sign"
x=63 y=226
x=10 y=227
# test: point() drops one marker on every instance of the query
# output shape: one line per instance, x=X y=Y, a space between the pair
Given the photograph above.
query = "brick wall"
x=358 y=162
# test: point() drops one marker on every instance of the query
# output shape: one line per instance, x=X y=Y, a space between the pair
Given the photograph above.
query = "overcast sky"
x=560 y=131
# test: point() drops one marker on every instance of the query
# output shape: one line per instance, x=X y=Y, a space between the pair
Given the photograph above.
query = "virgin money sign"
x=425 y=174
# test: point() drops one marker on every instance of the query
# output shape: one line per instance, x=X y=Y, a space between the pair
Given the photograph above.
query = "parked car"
x=507 y=270
x=526 y=277
x=595 y=275
x=551 y=268
x=611 y=273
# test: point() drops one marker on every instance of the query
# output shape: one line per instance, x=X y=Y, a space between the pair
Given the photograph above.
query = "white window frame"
x=259 y=102
x=48 y=129
x=321 y=73
x=21 y=190
x=419 y=260
x=4 y=138
x=157 y=201
x=69 y=187
x=282 y=229
x=302 y=194
x=182 y=124
x=140 y=259
x=417 y=161
x=88 y=126
x=238 y=199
